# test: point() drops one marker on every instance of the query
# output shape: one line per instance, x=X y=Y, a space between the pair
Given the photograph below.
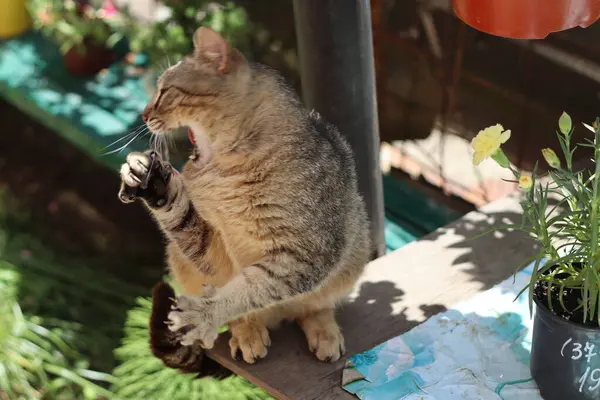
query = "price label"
x=590 y=379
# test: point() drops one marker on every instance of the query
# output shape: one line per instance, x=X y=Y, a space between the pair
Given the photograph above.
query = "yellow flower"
x=488 y=141
x=551 y=158
x=525 y=182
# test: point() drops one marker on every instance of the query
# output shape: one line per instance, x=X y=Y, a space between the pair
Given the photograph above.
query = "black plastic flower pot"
x=565 y=357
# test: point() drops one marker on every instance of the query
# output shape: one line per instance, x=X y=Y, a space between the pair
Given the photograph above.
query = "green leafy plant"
x=170 y=37
x=59 y=319
x=567 y=232
x=38 y=356
x=70 y=24
x=141 y=375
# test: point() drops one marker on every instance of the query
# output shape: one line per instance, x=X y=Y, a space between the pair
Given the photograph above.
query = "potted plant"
x=81 y=30
x=169 y=37
x=14 y=18
x=526 y=19
x=565 y=284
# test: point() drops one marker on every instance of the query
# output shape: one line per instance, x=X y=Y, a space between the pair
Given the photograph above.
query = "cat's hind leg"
x=323 y=334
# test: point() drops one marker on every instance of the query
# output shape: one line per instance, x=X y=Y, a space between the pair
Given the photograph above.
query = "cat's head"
x=205 y=81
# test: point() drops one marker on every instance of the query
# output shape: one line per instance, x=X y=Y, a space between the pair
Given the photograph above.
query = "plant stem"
x=593 y=214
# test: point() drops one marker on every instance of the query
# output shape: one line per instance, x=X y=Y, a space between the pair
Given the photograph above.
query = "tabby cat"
x=264 y=224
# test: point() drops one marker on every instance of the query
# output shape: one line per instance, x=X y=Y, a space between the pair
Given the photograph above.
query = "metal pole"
x=335 y=46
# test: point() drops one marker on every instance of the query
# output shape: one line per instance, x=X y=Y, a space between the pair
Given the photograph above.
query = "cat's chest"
x=220 y=191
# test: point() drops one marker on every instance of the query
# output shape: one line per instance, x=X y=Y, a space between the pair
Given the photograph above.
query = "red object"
x=191 y=136
x=109 y=9
x=89 y=62
x=526 y=19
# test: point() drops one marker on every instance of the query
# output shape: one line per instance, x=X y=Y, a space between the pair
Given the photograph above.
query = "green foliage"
x=59 y=320
x=143 y=376
x=568 y=232
x=68 y=25
x=170 y=38
x=564 y=124
x=38 y=356
x=51 y=287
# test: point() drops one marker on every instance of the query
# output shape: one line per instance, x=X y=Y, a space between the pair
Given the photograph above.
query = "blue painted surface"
x=478 y=350
x=89 y=112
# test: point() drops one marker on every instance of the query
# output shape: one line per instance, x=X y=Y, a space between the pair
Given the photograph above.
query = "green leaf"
x=564 y=123
x=65 y=47
x=113 y=39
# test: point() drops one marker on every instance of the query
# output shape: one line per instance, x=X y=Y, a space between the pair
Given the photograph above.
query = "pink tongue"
x=191 y=136
x=195 y=157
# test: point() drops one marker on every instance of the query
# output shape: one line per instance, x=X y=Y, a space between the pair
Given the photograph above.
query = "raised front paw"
x=146 y=176
x=195 y=316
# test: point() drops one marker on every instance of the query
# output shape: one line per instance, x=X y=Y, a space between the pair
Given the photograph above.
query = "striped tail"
x=165 y=344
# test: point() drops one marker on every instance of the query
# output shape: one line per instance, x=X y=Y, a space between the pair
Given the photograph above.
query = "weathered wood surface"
x=397 y=292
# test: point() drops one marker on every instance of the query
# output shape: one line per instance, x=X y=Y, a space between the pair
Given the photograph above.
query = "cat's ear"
x=210 y=46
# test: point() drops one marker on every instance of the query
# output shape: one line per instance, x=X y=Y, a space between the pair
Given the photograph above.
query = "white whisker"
x=120 y=149
x=125 y=137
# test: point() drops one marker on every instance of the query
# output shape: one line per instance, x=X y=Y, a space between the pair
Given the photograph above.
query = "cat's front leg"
x=281 y=276
x=164 y=191
x=196 y=315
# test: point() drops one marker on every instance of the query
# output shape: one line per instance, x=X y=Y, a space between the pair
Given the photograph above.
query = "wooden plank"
x=397 y=292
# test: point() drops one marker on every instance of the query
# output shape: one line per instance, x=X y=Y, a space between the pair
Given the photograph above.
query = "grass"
x=140 y=374
x=58 y=319
x=38 y=356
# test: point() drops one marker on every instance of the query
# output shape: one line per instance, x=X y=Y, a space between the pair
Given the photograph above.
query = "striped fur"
x=269 y=214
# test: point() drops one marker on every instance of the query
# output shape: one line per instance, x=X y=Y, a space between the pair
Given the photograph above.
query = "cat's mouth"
x=195 y=157
x=191 y=137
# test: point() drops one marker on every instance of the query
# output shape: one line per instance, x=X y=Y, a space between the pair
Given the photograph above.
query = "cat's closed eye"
x=161 y=93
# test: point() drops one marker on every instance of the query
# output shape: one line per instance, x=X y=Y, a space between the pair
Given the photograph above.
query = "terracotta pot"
x=14 y=18
x=526 y=19
x=94 y=58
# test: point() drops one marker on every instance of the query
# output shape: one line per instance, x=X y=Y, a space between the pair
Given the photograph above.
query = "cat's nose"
x=145 y=114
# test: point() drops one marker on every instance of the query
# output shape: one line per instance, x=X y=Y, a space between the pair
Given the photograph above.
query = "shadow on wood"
x=395 y=293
